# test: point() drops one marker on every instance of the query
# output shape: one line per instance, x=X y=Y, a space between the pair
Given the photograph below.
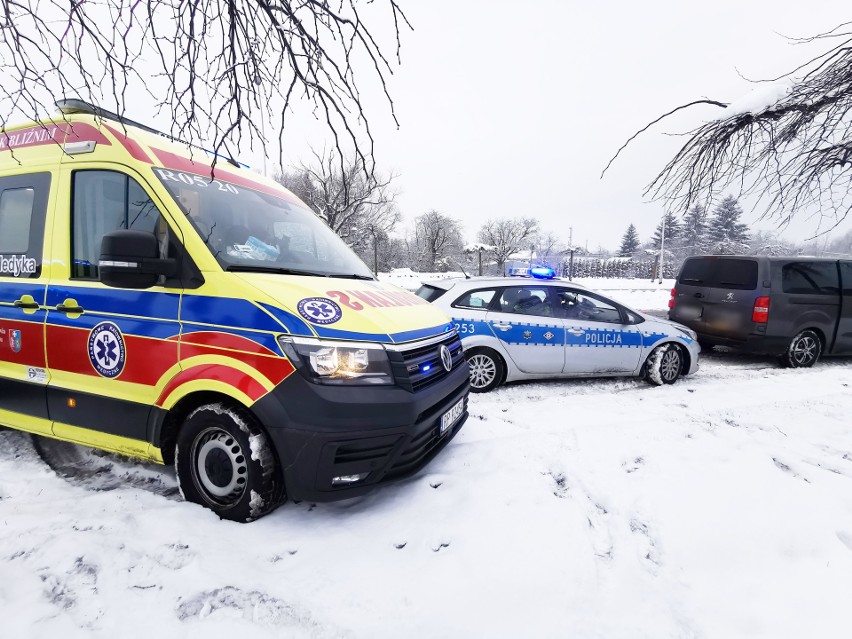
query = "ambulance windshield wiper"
x=246 y=268
x=353 y=276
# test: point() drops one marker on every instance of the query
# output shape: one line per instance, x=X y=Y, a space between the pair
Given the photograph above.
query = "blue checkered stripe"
x=610 y=338
x=532 y=334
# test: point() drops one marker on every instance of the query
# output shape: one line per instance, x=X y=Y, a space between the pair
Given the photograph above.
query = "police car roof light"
x=543 y=272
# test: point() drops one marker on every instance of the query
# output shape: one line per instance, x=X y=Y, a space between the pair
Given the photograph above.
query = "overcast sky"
x=511 y=108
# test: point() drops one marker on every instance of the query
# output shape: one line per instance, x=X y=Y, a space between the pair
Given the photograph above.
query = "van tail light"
x=760 y=314
x=672 y=298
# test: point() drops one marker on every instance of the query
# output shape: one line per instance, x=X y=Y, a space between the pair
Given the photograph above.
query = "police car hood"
x=347 y=309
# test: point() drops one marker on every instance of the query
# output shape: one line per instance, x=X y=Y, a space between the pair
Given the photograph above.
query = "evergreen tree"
x=673 y=231
x=727 y=234
x=629 y=243
x=693 y=237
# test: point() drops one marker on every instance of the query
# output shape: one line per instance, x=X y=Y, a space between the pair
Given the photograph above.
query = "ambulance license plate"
x=451 y=416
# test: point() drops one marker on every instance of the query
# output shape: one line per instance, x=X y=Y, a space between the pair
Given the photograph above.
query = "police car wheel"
x=664 y=365
x=803 y=352
x=486 y=369
x=224 y=462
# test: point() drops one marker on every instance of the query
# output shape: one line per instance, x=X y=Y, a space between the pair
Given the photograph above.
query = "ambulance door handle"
x=26 y=304
x=62 y=308
x=576 y=331
x=502 y=327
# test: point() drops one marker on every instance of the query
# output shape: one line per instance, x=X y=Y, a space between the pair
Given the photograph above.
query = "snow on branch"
x=788 y=144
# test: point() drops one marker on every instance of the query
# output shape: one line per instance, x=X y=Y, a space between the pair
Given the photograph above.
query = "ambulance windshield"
x=250 y=230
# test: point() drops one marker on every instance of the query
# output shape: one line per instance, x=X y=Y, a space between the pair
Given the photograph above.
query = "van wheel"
x=664 y=365
x=486 y=369
x=804 y=350
x=224 y=462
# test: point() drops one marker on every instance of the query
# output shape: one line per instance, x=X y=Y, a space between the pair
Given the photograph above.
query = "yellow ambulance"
x=157 y=306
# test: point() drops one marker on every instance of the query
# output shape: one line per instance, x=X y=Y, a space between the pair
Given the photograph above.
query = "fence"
x=618 y=268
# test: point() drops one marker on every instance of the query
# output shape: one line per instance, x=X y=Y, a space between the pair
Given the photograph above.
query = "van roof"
x=84 y=130
x=773 y=258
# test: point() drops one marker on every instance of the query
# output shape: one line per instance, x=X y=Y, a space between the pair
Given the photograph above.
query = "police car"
x=538 y=326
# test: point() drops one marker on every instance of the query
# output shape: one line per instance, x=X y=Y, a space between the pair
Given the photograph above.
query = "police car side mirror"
x=131 y=259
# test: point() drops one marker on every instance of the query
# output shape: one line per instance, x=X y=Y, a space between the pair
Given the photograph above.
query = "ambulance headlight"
x=333 y=362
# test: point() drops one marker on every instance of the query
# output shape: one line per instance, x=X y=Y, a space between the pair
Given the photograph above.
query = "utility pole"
x=662 y=247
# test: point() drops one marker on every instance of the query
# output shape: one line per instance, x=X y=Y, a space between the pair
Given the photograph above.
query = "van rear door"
x=843 y=342
x=715 y=296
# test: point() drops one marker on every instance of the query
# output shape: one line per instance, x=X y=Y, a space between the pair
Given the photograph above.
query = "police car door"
x=523 y=320
x=596 y=338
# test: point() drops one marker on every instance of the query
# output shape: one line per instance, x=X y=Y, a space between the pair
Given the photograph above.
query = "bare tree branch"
x=219 y=68
x=792 y=153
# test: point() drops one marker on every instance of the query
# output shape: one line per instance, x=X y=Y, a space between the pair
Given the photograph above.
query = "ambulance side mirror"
x=131 y=259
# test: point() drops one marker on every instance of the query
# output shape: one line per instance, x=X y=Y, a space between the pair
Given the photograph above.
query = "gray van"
x=795 y=307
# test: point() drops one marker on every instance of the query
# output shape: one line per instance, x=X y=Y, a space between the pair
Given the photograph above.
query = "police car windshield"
x=244 y=227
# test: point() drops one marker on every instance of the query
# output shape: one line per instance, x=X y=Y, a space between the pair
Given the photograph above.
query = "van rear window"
x=730 y=273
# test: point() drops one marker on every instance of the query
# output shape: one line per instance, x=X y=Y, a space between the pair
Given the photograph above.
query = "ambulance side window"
x=23 y=205
x=104 y=201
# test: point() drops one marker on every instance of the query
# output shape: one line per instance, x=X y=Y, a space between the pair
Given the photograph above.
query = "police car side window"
x=23 y=205
x=477 y=300
x=527 y=300
x=105 y=201
x=581 y=306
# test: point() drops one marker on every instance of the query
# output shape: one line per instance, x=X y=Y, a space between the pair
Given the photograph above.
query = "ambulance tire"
x=664 y=365
x=486 y=369
x=224 y=462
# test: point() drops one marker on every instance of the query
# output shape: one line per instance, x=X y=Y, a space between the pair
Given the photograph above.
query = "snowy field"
x=717 y=507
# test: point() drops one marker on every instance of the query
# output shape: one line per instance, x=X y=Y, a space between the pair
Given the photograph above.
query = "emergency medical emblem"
x=106 y=349
x=319 y=310
x=15 y=340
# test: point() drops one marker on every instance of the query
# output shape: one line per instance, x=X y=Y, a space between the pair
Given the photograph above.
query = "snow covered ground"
x=717 y=507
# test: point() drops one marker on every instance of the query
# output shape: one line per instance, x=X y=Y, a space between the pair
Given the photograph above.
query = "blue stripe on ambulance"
x=16 y=290
x=421 y=333
x=118 y=302
x=294 y=325
x=335 y=333
x=227 y=311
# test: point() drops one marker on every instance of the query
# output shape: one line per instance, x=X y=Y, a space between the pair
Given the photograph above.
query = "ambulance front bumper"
x=334 y=442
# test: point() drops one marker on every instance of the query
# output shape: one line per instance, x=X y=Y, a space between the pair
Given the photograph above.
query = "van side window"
x=23 y=205
x=812 y=278
x=105 y=201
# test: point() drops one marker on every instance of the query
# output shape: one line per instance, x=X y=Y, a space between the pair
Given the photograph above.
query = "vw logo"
x=446 y=358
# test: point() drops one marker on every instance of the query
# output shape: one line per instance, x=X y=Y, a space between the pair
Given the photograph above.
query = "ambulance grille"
x=422 y=445
x=419 y=368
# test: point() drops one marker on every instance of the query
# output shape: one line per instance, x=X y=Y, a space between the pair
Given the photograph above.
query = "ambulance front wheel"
x=224 y=462
x=486 y=369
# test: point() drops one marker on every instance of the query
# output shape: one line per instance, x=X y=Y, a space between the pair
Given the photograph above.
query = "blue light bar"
x=543 y=272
